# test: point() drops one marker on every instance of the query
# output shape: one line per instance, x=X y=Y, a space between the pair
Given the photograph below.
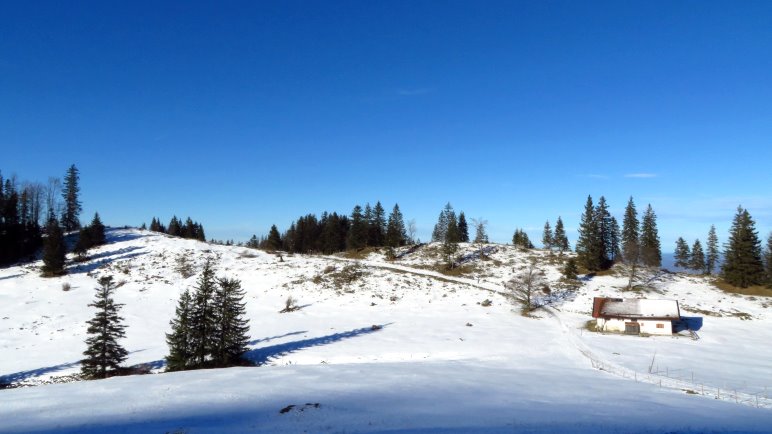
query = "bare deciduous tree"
x=524 y=285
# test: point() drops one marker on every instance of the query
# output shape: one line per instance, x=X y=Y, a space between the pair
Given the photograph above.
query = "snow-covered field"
x=440 y=362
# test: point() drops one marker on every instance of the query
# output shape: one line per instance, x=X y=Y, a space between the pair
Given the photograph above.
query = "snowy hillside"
x=437 y=360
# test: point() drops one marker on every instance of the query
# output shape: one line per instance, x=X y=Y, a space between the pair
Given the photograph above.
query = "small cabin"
x=635 y=315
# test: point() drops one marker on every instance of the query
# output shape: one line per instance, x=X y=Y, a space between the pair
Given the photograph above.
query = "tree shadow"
x=257 y=341
x=103 y=258
x=11 y=276
x=112 y=237
x=32 y=373
x=261 y=356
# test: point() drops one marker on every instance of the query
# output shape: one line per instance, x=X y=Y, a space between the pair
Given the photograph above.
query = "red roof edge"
x=597 y=305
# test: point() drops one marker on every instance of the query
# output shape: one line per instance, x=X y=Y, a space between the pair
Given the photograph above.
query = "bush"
x=66 y=286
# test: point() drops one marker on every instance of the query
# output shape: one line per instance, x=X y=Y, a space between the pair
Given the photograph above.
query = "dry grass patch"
x=758 y=290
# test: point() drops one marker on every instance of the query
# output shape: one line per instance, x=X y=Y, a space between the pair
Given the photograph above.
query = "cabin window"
x=660 y=326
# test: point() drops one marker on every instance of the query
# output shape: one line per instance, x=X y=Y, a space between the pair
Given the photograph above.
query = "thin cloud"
x=596 y=176
x=641 y=175
x=414 y=92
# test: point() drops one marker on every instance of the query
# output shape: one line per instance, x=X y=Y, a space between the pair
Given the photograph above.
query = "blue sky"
x=244 y=114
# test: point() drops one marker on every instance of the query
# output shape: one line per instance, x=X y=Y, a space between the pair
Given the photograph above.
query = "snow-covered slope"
x=440 y=362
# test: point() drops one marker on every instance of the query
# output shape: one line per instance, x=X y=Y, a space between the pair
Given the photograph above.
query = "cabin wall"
x=651 y=327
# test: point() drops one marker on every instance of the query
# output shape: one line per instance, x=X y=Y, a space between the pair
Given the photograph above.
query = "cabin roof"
x=642 y=308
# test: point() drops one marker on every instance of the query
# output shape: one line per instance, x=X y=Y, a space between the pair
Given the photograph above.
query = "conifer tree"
x=395 y=229
x=711 y=257
x=104 y=354
x=368 y=217
x=175 y=227
x=378 y=226
x=463 y=228
x=357 y=236
x=587 y=245
x=630 y=238
x=520 y=240
x=651 y=252
x=768 y=261
x=447 y=226
x=440 y=228
x=615 y=238
x=697 y=259
x=570 y=270
x=203 y=318
x=97 y=230
x=561 y=240
x=742 y=255
x=547 y=239
x=53 y=248
x=231 y=337
x=453 y=235
x=180 y=340
x=681 y=255
x=603 y=234
x=72 y=205
x=274 y=239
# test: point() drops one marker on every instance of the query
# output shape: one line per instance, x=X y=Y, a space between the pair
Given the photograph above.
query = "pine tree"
x=180 y=340
x=587 y=245
x=711 y=258
x=463 y=228
x=231 y=337
x=72 y=206
x=274 y=239
x=453 y=235
x=53 y=248
x=547 y=239
x=368 y=217
x=603 y=234
x=520 y=240
x=697 y=259
x=440 y=228
x=615 y=238
x=357 y=237
x=97 y=230
x=681 y=254
x=447 y=226
x=630 y=239
x=395 y=229
x=378 y=227
x=742 y=255
x=104 y=355
x=570 y=270
x=175 y=227
x=561 y=240
x=651 y=253
x=768 y=261
x=203 y=318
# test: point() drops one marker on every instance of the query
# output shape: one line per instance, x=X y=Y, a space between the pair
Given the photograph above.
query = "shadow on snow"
x=260 y=356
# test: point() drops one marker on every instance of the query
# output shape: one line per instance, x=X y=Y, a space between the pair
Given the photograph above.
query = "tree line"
x=189 y=229
x=745 y=263
x=333 y=232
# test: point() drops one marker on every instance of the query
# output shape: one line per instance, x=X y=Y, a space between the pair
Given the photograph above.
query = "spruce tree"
x=104 y=354
x=711 y=256
x=231 y=337
x=768 y=261
x=587 y=246
x=440 y=228
x=53 y=248
x=547 y=239
x=651 y=252
x=175 y=227
x=274 y=239
x=395 y=229
x=520 y=240
x=561 y=240
x=453 y=235
x=603 y=235
x=463 y=228
x=378 y=226
x=203 y=318
x=570 y=270
x=742 y=255
x=97 y=230
x=630 y=238
x=697 y=259
x=357 y=236
x=681 y=254
x=180 y=340
x=72 y=205
x=615 y=237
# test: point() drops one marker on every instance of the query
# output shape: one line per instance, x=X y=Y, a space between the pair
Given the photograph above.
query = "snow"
x=640 y=308
x=440 y=362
